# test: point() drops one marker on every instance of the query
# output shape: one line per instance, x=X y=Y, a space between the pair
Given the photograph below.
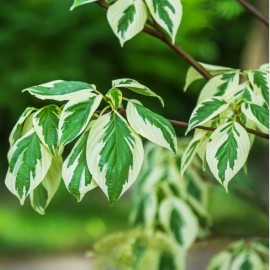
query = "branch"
x=251 y=131
x=254 y=12
x=186 y=57
x=158 y=33
x=184 y=124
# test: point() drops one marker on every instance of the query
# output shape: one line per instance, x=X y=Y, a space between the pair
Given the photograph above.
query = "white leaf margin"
x=147 y=130
x=175 y=16
x=190 y=227
x=115 y=13
x=42 y=168
x=217 y=139
x=94 y=145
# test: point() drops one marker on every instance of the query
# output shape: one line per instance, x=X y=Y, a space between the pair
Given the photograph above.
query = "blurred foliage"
x=42 y=41
x=66 y=227
x=207 y=211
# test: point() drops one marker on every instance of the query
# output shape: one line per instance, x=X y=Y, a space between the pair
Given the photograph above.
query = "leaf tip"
x=187 y=131
x=22 y=200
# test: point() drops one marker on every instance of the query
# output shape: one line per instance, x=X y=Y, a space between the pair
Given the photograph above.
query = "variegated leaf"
x=179 y=221
x=168 y=260
x=136 y=87
x=260 y=82
x=81 y=2
x=17 y=130
x=59 y=90
x=225 y=85
x=227 y=151
x=127 y=18
x=222 y=261
x=206 y=111
x=29 y=163
x=150 y=125
x=193 y=75
x=76 y=174
x=191 y=150
x=146 y=210
x=45 y=123
x=76 y=115
x=246 y=93
x=167 y=13
x=247 y=260
x=257 y=114
x=44 y=192
x=261 y=246
x=265 y=67
x=114 y=154
x=197 y=193
x=114 y=97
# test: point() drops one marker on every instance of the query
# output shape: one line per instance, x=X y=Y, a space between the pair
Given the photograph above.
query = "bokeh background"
x=41 y=41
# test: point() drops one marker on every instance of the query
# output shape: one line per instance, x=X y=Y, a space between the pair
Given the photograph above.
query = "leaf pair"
x=128 y=17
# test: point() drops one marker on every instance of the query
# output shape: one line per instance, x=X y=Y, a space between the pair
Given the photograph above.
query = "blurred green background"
x=41 y=41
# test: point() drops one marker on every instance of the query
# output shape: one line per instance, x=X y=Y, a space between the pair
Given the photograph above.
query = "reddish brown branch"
x=184 y=124
x=178 y=50
x=257 y=14
x=158 y=33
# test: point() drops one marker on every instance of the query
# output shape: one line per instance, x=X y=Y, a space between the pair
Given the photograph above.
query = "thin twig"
x=102 y=4
x=251 y=131
x=176 y=48
x=257 y=14
x=158 y=33
x=184 y=124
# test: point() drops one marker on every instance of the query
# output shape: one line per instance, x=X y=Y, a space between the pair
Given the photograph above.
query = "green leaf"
x=76 y=174
x=81 y=2
x=114 y=154
x=227 y=151
x=167 y=261
x=76 y=115
x=206 y=111
x=44 y=192
x=136 y=87
x=193 y=75
x=222 y=261
x=59 y=90
x=197 y=193
x=152 y=126
x=257 y=114
x=114 y=97
x=167 y=13
x=145 y=211
x=191 y=150
x=45 y=123
x=179 y=221
x=247 y=260
x=265 y=67
x=18 y=129
x=127 y=18
x=260 y=83
x=29 y=163
x=246 y=93
x=224 y=85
